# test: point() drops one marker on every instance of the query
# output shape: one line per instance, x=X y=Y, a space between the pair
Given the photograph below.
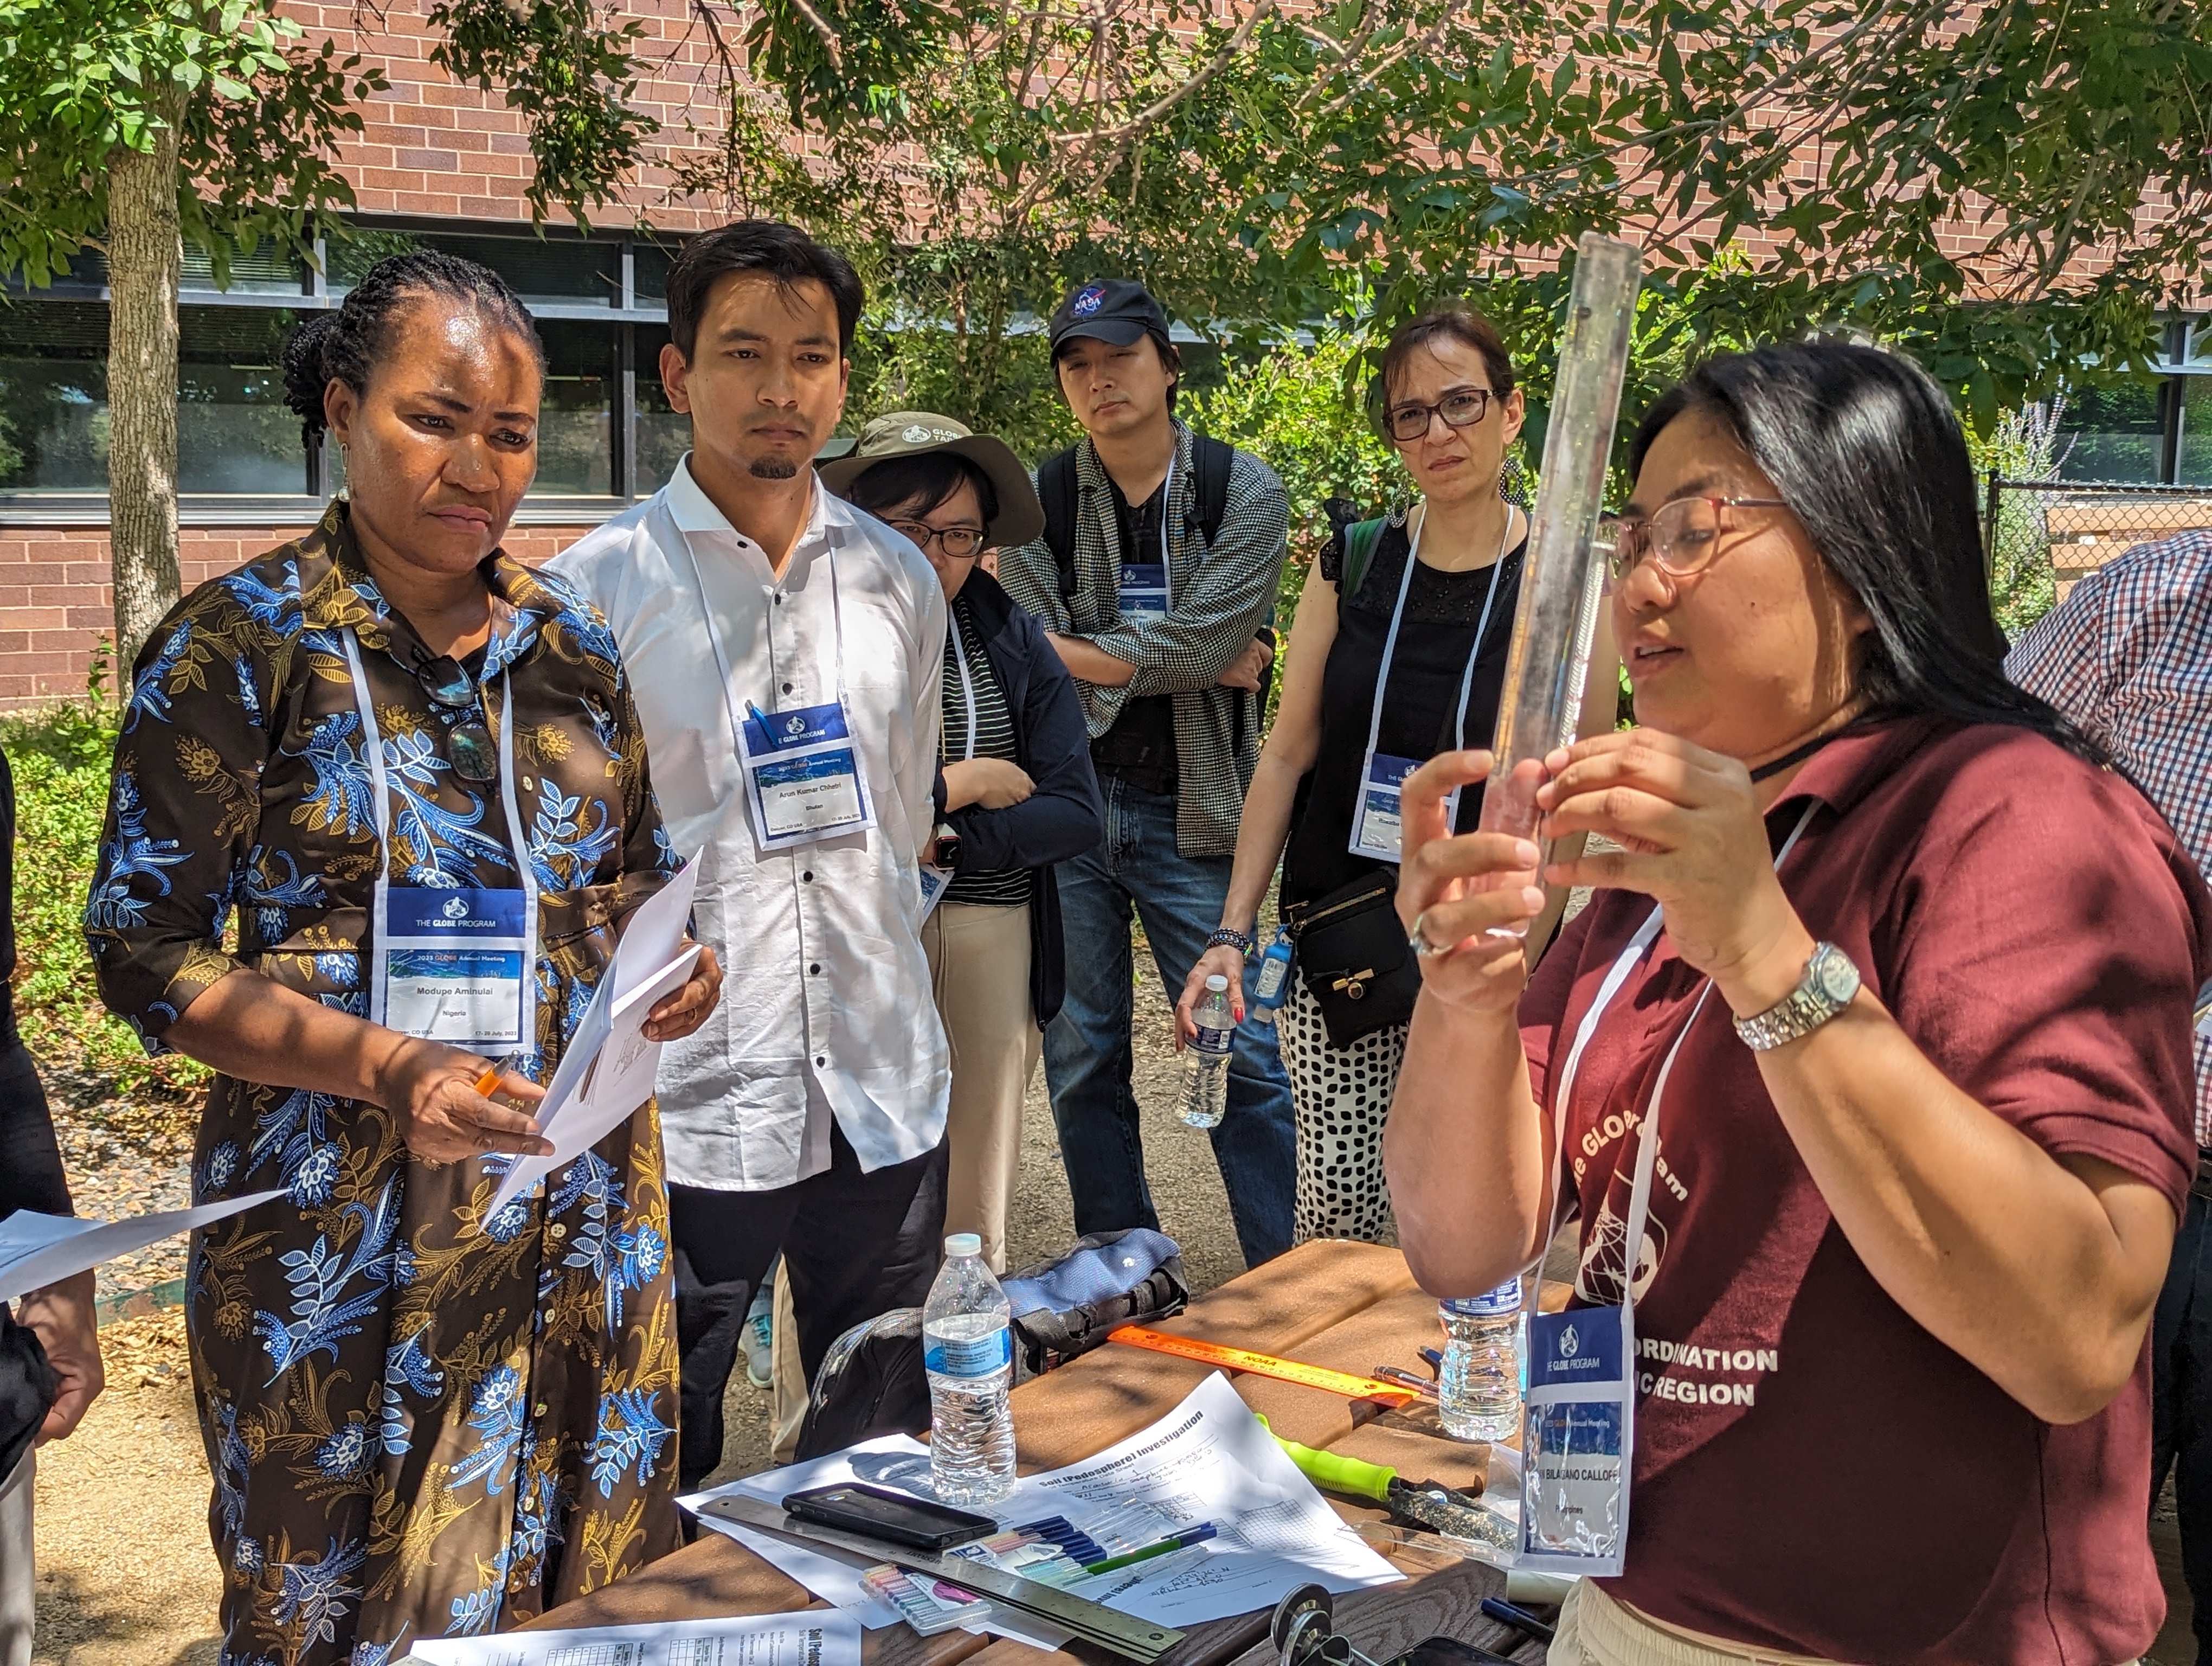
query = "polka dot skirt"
x=1342 y=1095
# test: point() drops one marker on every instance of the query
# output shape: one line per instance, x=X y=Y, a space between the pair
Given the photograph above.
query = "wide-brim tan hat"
x=910 y=432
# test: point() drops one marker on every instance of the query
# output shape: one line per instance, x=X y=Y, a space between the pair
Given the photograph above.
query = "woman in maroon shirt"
x=1903 y=1247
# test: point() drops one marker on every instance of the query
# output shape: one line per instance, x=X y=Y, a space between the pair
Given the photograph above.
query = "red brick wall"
x=56 y=603
x=431 y=147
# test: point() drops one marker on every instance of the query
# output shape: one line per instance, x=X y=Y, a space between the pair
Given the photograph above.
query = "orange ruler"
x=1262 y=1365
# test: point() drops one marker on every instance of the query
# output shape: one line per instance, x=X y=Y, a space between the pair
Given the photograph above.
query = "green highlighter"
x=1429 y=1504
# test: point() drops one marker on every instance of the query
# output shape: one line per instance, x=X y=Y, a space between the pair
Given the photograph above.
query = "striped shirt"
x=2128 y=657
x=987 y=731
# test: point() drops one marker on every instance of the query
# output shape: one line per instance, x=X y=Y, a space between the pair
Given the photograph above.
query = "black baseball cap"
x=1109 y=309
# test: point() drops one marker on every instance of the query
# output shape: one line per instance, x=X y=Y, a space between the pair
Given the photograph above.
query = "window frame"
x=623 y=312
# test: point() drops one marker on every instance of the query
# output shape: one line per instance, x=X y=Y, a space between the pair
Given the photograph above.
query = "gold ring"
x=1418 y=940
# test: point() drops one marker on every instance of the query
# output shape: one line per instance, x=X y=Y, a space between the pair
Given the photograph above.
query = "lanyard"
x=1397 y=611
x=1167 y=556
x=967 y=680
x=373 y=743
x=1639 y=1196
x=722 y=658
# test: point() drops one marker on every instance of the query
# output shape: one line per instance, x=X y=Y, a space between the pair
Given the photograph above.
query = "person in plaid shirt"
x=1169 y=549
x=2128 y=658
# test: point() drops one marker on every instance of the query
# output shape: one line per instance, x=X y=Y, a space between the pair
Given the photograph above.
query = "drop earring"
x=345 y=476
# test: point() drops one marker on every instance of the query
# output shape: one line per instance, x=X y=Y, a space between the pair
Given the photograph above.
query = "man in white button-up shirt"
x=808 y=1114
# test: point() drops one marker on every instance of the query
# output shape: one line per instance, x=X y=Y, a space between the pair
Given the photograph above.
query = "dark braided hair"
x=345 y=344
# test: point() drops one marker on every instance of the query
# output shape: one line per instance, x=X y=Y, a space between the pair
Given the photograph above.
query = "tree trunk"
x=145 y=261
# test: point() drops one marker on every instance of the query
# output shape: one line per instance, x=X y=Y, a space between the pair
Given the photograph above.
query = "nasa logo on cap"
x=1089 y=301
x=457 y=908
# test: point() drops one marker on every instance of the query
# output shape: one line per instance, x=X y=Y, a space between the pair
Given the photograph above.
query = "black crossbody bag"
x=1351 y=950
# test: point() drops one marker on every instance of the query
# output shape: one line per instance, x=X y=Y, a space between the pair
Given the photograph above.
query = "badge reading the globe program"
x=1577 y=1442
x=450 y=965
x=803 y=773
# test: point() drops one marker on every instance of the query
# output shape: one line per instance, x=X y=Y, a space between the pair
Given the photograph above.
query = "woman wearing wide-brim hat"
x=1017 y=793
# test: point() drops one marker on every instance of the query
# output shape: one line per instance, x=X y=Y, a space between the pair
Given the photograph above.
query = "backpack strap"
x=1361 y=540
x=1056 y=491
x=1210 y=462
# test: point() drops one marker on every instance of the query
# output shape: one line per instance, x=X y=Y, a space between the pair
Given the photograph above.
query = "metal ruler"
x=1264 y=1365
x=1141 y=1641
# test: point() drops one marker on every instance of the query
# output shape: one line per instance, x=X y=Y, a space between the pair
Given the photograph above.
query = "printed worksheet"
x=817 y=1637
x=1210 y=1462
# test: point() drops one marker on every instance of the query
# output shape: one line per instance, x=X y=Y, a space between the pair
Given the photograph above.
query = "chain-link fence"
x=2041 y=537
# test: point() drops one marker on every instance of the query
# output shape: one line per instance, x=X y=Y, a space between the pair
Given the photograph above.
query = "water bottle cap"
x=1216 y=984
x=964 y=1243
x=1498 y=1304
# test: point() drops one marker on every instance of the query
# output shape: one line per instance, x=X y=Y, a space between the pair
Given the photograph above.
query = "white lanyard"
x=967 y=681
x=1139 y=600
x=803 y=780
x=1381 y=842
x=373 y=745
x=1616 y=975
x=1579 y=1439
x=722 y=658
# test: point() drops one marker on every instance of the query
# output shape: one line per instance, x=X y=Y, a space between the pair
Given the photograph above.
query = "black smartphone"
x=889 y=1515
x=1450 y=1651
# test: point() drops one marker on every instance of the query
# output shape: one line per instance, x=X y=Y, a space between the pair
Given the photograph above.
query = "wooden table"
x=1349 y=1306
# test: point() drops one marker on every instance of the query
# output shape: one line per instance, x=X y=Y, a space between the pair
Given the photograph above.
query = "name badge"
x=933 y=882
x=1377 y=832
x=1577 y=1444
x=451 y=965
x=803 y=773
x=1144 y=589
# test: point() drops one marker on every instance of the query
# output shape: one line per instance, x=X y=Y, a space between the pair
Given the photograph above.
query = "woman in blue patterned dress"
x=422 y=1417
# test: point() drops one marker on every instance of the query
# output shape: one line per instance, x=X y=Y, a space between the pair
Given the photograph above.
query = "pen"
x=1420 y=1385
x=488 y=1084
x=1520 y=1618
x=1189 y=1535
x=1435 y=1359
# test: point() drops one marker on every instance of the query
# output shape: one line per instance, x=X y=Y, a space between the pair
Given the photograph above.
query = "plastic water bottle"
x=1272 y=986
x=1478 y=1385
x=1206 y=1060
x=968 y=1349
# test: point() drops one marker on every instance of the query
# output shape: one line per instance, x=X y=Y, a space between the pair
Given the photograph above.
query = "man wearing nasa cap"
x=1155 y=579
x=784 y=652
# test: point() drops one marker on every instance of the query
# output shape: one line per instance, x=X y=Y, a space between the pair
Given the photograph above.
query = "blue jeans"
x=2181 y=1404
x=1135 y=867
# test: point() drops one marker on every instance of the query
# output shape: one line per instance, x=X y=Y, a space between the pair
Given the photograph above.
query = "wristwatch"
x=1829 y=982
x=1228 y=936
x=948 y=845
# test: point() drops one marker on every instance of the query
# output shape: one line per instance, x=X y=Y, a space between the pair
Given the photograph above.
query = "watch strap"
x=1825 y=987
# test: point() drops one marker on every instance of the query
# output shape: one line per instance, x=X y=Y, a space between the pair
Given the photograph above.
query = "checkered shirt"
x=1221 y=596
x=2128 y=657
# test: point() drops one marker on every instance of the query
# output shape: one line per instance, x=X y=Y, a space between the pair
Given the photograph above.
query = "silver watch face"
x=1838 y=978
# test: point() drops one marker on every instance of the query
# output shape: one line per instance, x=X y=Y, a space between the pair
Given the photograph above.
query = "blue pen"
x=1189 y=1535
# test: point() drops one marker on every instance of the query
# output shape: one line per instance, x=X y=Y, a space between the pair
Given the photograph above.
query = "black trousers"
x=2181 y=1403
x=856 y=1245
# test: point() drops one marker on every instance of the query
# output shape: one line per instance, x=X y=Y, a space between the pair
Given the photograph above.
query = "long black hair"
x=344 y=345
x=1864 y=449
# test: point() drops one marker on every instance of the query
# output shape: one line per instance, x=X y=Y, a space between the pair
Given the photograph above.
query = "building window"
x=664 y=434
x=2113 y=434
x=233 y=435
x=2195 y=447
x=577 y=420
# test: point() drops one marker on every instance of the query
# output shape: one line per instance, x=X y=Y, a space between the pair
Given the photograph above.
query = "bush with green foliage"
x=60 y=760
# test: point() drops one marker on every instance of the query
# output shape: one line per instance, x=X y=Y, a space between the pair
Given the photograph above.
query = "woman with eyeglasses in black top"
x=380 y=811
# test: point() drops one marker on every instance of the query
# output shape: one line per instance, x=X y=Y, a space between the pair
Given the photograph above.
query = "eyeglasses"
x=958 y=542
x=467 y=743
x=1463 y=407
x=1681 y=536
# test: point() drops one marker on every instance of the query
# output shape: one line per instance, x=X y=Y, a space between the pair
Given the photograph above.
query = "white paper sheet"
x=817 y=1636
x=1209 y=1460
x=607 y=1072
x=37 y=1250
